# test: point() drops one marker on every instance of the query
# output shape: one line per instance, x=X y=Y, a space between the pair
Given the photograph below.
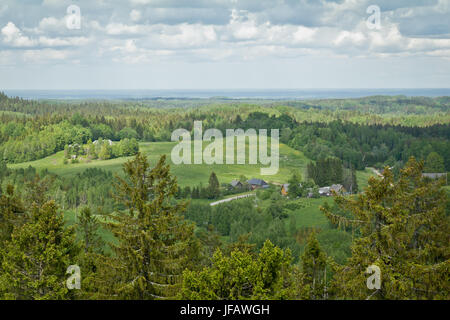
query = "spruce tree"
x=88 y=228
x=213 y=187
x=154 y=242
x=12 y=213
x=36 y=258
x=314 y=271
x=404 y=231
x=294 y=186
x=92 y=255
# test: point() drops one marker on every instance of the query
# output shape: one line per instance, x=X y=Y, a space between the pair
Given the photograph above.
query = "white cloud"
x=13 y=36
x=52 y=24
x=127 y=31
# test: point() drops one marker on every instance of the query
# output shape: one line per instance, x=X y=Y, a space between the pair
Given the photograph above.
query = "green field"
x=188 y=175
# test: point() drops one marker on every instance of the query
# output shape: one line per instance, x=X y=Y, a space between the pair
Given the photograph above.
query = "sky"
x=224 y=44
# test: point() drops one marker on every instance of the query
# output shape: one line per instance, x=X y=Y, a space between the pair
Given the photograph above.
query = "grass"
x=70 y=218
x=362 y=177
x=310 y=215
x=187 y=175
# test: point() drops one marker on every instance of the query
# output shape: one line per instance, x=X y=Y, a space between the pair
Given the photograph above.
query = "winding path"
x=231 y=199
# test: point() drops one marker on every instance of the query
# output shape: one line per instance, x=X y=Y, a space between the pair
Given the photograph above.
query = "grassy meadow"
x=188 y=175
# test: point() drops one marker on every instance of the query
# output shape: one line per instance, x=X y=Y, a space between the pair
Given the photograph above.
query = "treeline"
x=93 y=187
x=31 y=130
x=381 y=104
x=326 y=172
x=361 y=146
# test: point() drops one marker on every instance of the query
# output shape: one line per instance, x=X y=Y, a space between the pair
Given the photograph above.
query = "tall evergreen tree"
x=295 y=190
x=314 y=271
x=88 y=227
x=92 y=255
x=213 y=189
x=36 y=258
x=404 y=231
x=154 y=241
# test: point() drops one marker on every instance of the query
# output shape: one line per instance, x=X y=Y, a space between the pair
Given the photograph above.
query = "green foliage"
x=295 y=186
x=213 y=190
x=88 y=227
x=210 y=240
x=239 y=218
x=12 y=213
x=154 y=242
x=362 y=145
x=36 y=258
x=402 y=226
x=434 y=163
x=314 y=271
x=326 y=172
x=404 y=231
x=241 y=275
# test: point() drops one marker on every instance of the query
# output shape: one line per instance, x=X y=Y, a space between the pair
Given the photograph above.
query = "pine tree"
x=213 y=189
x=88 y=227
x=36 y=258
x=350 y=182
x=36 y=190
x=404 y=231
x=92 y=255
x=294 y=186
x=154 y=242
x=12 y=213
x=210 y=240
x=314 y=271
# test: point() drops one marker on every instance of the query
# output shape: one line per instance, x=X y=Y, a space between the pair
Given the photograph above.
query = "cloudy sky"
x=224 y=44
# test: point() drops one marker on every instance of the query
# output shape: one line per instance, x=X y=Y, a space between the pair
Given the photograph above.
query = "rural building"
x=327 y=191
x=109 y=142
x=285 y=189
x=257 y=183
x=236 y=184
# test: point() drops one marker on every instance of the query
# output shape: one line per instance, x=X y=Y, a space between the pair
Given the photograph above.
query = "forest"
x=90 y=183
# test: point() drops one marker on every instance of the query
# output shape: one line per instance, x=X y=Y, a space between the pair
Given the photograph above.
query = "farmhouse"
x=108 y=141
x=328 y=191
x=236 y=184
x=257 y=183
